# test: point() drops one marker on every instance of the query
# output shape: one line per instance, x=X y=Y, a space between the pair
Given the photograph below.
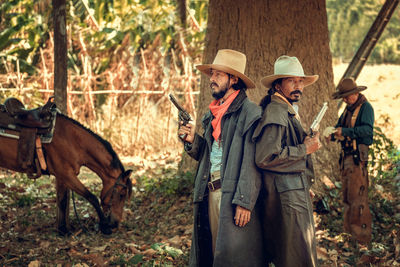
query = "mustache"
x=212 y=84
x=296 y=92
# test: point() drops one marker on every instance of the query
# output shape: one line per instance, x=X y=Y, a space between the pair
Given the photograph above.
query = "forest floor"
x=156 y=230
x=157 y=227
x=158 y=220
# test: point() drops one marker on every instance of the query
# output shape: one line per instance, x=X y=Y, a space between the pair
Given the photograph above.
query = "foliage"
x=23 y=31
x=349 y=22
x=132 y=45
x=162 y=252
x=102 y=25
x=383 y=157
x=169 y=183
x=26 y=25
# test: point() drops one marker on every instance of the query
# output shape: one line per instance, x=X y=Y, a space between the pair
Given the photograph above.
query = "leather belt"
x=214 y=185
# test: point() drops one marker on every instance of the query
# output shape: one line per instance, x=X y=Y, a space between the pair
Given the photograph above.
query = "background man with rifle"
x=354 y=130
x=283 y=151
x=227 y=230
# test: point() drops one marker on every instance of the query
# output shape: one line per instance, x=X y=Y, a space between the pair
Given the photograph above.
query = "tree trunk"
x=265 y=30
x=60 y=55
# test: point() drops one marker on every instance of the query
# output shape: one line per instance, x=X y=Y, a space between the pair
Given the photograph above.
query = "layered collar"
x=350 y=111
x=238 y=102
x=281 y=99
x=360 y=100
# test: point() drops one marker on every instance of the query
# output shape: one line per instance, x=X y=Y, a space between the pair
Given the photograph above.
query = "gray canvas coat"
x=288 y=224
x=235 y=246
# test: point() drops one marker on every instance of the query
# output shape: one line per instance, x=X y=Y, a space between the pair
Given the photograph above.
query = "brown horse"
x=72 y=147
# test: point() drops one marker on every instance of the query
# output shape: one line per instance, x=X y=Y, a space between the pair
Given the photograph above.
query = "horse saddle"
x=31 y=127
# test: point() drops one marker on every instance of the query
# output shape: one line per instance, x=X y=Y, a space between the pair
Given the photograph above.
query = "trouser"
x=288 y=223
x=357 y=216
x=214 y=203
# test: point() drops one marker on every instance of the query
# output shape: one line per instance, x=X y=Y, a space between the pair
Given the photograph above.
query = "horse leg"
x=63 y=194
x=73 y=183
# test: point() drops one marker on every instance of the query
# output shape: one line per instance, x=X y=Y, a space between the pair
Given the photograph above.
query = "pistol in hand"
x=183 y=115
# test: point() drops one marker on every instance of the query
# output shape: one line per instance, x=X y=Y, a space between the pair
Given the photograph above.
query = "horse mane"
x=115 y=162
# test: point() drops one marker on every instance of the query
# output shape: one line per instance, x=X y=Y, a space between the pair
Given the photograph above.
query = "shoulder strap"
x=354 y=117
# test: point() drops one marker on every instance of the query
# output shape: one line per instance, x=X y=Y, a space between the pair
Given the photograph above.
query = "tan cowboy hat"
x=285 y=67
x=346 y=87
x=229 y=61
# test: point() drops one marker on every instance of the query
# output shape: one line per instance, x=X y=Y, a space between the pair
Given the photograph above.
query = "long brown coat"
x=288 y=224
x=241 y=181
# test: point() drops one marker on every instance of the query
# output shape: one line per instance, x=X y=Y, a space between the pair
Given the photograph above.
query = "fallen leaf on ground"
x=367 y=259
x=132 y=248
x=322 y=253
x=34 y=264
x=45 y=244
x=99 y=249
x=97 y=259
x=149 y=252
x=176 y=240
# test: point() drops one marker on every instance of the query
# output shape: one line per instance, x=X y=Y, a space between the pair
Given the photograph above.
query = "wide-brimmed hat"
x=285 y=67
x=346 y=87
x=229 y=61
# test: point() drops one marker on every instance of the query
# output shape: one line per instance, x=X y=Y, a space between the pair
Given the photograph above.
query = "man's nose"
x=212 y=78
x=299 y=86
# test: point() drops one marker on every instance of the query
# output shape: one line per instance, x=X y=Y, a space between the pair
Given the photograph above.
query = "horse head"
x=113 y=198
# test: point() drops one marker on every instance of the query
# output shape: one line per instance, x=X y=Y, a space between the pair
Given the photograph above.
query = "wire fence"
x=127 y=104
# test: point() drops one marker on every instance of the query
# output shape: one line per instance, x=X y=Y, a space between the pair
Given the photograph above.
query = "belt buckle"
x=211 y=186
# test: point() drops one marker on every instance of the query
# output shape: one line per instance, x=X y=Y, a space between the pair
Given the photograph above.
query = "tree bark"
x=265 y=30
x=181 y=10
x=60 y=55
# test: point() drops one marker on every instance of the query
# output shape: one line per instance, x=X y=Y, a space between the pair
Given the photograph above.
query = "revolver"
x=183 y=115
x=315 y=124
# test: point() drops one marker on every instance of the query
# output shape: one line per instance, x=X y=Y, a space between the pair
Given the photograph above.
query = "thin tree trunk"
x=265 y=30
x=60 y=54
x=60 y=72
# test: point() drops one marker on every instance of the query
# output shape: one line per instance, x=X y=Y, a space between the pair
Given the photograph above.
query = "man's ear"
x=234 y=79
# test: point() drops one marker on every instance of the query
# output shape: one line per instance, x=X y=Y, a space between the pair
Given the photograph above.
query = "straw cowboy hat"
x=229 y=61
x=285 y=67
x=346 y=87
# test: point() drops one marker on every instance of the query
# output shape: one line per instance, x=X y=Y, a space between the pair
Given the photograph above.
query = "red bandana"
x=218 y=111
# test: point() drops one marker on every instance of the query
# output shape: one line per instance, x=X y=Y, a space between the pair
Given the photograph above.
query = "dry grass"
x=135 y=115
x=144 y=123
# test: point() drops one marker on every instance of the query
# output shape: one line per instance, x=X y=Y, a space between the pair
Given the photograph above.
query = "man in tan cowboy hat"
x=354 y=130
x=227 y=230
x=283 y=154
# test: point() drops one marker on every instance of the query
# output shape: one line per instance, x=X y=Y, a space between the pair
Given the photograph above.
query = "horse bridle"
x=111 y=190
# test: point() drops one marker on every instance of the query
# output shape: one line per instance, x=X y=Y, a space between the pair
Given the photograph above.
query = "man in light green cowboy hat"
x=283 y=151
x=227 y=229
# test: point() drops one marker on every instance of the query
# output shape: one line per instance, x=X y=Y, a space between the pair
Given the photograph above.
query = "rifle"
x=183 y=115
x=315 y=124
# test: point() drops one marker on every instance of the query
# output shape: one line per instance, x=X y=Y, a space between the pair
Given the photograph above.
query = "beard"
x=221 y=93
x=291 y=101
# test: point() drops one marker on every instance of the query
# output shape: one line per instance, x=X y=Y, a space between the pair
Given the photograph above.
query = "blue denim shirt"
x=216 y=157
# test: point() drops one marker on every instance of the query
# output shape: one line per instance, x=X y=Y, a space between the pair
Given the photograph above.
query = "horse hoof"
x=63 y=231
x=105 y=230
